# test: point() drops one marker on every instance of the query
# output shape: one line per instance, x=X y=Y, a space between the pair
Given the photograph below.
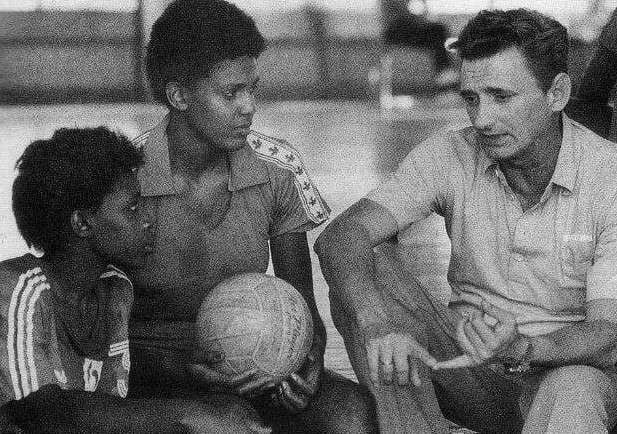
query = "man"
x=528 y=196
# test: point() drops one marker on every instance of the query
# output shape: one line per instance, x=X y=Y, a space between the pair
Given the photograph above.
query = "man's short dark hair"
x=75 y=169
x=191 y=36
x=542 y=40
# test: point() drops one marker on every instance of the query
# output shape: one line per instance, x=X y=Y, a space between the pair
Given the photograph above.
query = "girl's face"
x=119 y=234
x=220 y=107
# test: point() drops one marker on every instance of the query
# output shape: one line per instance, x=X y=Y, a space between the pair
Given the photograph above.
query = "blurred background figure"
x=406 y=26
x=79 y=63
x=590 y=105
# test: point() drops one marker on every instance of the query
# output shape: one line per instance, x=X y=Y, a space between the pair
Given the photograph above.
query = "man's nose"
x=484 y=116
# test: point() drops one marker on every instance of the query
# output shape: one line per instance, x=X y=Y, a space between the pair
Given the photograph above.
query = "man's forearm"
x=348 y=264
x=587 y=343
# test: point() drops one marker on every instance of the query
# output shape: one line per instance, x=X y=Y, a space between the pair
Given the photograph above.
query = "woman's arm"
x=292 y=262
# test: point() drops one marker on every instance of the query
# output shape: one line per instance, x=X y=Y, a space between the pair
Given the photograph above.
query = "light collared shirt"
x=542 y=264
x=271 y=194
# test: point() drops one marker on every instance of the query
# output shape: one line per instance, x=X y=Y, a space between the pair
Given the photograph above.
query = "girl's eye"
x=502 y=97
x=469 y=99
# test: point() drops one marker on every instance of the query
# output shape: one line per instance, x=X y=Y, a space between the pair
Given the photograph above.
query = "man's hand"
x=295 y=392
x=484 y=337
x=394 y=355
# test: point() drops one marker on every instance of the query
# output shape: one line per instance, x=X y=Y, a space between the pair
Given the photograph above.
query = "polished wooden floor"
x=348 y=147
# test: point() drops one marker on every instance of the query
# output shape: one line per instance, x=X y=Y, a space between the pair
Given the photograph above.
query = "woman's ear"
x=559 y=93
x=79 y=223
x=176 y=95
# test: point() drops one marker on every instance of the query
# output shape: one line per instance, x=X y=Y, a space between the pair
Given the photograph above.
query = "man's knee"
x=356 y=413
x=576 y=382
x=573 y=398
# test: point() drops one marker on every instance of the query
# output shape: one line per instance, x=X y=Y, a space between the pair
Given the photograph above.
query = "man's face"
x=505 y=104
x=119 y=233
x=221 y=106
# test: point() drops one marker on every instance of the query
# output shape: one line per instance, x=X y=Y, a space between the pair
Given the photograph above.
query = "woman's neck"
x=190 y=154
x=77 y=268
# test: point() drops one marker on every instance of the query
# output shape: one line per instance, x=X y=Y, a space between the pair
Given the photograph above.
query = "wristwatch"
x=522 y=365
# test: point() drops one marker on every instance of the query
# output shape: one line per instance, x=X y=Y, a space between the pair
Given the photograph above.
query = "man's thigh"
x=575 y=398
x=479 y=398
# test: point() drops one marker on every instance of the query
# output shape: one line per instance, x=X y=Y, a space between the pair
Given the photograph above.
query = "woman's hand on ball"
x=249 y=384
x=295 y=392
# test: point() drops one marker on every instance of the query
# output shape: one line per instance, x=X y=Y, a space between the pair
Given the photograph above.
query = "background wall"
x=317 y=49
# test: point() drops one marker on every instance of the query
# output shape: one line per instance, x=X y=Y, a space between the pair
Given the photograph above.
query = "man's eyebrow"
x=498 y=90
x=466 y=92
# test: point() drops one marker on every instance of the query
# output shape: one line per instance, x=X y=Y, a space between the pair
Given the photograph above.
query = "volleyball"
x=254 y=320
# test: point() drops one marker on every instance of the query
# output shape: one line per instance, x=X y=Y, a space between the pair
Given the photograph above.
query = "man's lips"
x=491 y=138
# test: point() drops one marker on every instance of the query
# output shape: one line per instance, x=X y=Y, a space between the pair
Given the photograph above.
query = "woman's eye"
x=134 y=208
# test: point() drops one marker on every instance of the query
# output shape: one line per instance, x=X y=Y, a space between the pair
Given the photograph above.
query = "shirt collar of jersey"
x=156 y=179
x=566 y=168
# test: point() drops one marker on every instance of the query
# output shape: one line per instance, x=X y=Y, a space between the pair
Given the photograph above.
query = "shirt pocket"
x=576 y=258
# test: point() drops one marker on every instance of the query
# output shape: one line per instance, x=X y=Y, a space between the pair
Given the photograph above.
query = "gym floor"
x=348 y=147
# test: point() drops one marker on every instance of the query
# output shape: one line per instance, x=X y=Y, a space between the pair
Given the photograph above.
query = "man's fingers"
x=485 y=332
x=502 y=316
x=419 y=352
x=463 y=361
x=387 y=369
x=372 y=353
x=415 y=373
x=476 y=341
x=401 y=365
x=463 y=341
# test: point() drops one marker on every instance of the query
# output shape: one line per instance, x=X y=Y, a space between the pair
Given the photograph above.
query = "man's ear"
x=559 y=92
x=176 y=95
x=79 y=223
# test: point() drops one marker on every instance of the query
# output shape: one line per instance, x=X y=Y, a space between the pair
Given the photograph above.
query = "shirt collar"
x=566 y=168
x=156 y=179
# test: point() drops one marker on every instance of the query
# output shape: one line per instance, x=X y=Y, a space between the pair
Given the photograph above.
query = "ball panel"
x=258 y=321
x=231 y=322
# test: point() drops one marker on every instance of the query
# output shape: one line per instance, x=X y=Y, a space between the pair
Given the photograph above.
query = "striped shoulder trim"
x=20 y=337
x=112 y=271
x=141 y=139
x=282 y=154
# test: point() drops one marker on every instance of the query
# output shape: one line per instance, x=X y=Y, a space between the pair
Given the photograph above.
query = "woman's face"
x=220 y=107
x=119 y=233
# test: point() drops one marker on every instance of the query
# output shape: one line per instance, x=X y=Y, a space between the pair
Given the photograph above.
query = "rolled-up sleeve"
x=420 y=184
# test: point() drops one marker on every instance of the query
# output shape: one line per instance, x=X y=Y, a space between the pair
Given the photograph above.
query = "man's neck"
x=189 y=154
x=529 y=174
